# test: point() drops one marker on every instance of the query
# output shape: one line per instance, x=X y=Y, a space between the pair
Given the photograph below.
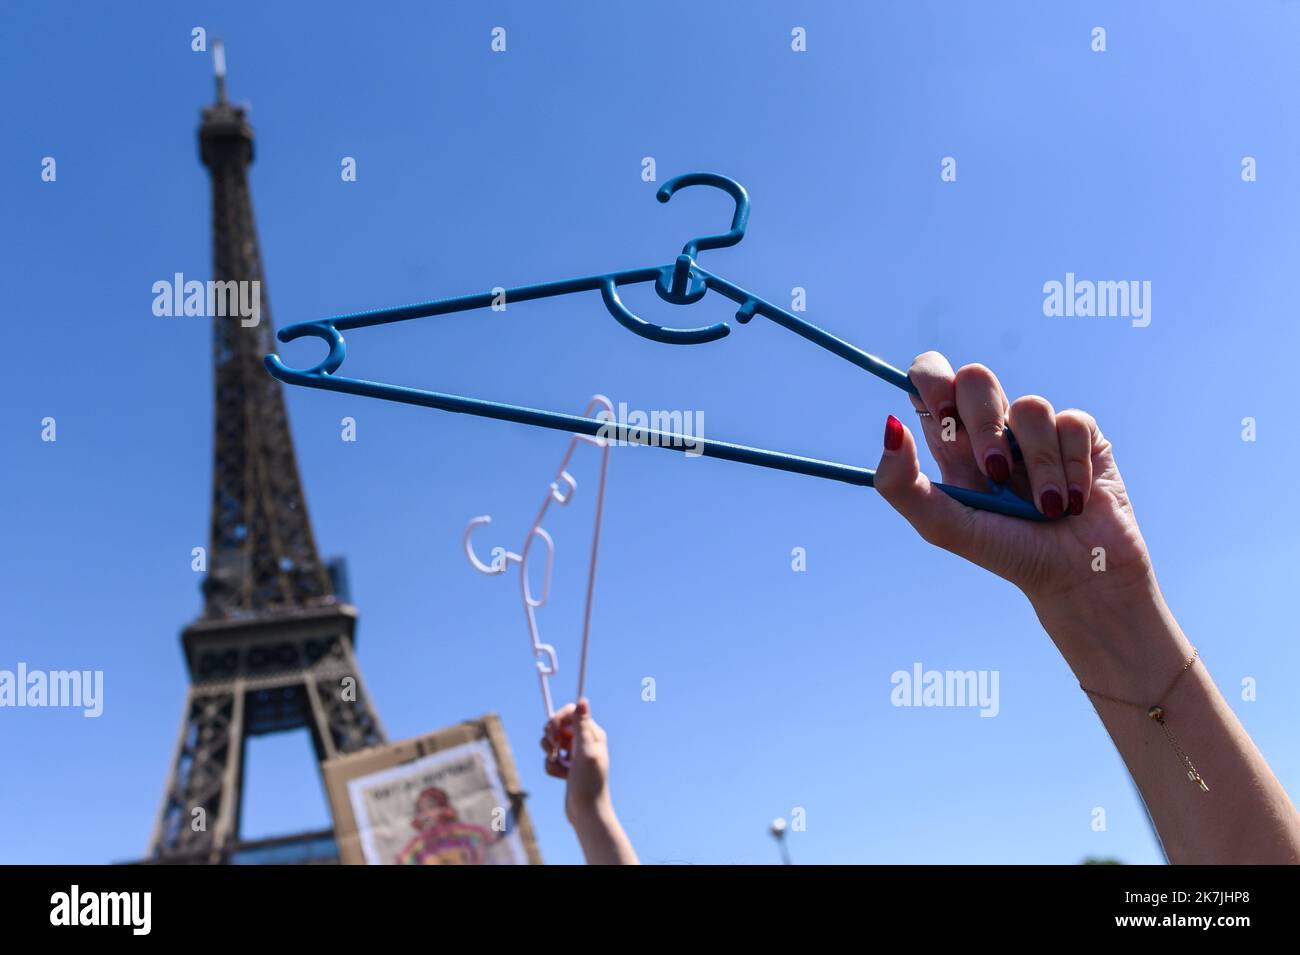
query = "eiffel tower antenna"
x=219 y=68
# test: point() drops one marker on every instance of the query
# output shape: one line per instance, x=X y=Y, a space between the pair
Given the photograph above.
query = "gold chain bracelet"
x=1157 y=713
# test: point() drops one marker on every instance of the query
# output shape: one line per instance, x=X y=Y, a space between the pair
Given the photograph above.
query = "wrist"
x=600 y=834
x=1118 y=638
x=589 y=812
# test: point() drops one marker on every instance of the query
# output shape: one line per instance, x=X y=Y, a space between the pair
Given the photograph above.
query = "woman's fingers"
x=563 y=715
x=933 y=377
x=560 y=724
x=552 y=743
x=1034 y=422
x=983 y=408
x=557 y=738
x=935 y=382
x=937 y=517
x=1075 y=430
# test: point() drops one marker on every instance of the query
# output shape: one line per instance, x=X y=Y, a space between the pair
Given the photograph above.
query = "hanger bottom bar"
x=1002 y=500
x=576 y=424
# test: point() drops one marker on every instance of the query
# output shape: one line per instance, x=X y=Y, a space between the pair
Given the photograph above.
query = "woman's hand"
x=577 y=750
x=1067 y=469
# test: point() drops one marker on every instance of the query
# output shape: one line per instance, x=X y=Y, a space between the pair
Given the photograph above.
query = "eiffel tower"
x=273 y=649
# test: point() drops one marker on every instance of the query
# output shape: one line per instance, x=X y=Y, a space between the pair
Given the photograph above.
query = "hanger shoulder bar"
x=466 y=303
x=751 y=305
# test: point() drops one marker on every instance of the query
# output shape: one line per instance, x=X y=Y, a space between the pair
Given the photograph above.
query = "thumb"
x=581 y=719
x=936 y=517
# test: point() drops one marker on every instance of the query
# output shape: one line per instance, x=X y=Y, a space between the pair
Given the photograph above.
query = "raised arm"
x=1211 y=794
x=577 y=750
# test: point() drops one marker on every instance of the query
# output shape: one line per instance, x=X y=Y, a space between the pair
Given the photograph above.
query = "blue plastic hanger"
x=682 y=283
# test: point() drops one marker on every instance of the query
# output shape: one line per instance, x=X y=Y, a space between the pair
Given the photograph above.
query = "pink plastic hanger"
x=560 y=492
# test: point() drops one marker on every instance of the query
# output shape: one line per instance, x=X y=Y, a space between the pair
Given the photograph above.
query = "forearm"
x=1133 y=655
x=601 y=835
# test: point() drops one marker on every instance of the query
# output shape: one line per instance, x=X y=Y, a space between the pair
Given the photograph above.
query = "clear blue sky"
x=479 y=169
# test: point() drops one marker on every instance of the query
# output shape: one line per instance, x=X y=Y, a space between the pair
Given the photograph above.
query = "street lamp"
x=778 y=833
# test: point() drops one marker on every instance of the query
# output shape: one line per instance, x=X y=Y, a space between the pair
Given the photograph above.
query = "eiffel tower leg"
x=344 y=720
x=255 y=677
x=199 y=815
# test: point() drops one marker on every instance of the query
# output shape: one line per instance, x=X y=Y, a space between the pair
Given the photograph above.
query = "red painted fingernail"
x=1076 y=501
x=996 y=466
x=893 y=434
x=1053 y=506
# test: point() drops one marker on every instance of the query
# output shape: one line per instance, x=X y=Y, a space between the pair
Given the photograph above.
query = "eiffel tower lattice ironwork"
x=273 y=650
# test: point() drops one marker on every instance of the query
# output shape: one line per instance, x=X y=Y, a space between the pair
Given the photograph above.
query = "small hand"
x=577 y=750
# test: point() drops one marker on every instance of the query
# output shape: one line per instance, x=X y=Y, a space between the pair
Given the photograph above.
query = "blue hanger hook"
x=732 y=188
x=680 y=283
